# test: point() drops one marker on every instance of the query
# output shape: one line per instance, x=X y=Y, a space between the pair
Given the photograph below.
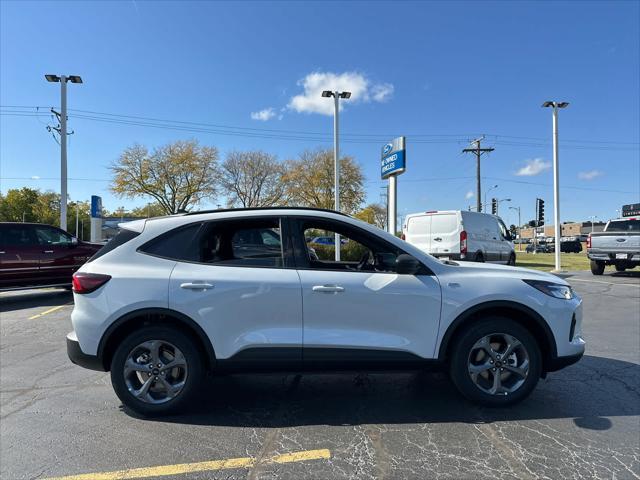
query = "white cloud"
x=263 y=115
x=533 y=167
x=361 y=88
x=590 y=175
x=381 y=92
x=469 y=195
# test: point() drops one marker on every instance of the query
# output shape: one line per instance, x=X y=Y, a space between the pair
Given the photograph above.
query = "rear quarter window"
x=176 y=244
x=122 y=237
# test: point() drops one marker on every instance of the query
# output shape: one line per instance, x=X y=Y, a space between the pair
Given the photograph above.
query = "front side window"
x=52 y=236
x=358 y=250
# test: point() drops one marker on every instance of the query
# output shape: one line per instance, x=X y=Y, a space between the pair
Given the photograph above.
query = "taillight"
x=463 y=242
x=83 y=282
x=402 y=237
x=589 y=241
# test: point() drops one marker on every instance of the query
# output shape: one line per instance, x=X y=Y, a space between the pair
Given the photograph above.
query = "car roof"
x=251 y=209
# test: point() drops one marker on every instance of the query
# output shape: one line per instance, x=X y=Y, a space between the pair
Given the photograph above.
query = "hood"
x=508 y=271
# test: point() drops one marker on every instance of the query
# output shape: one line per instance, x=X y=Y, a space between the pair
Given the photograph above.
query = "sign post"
x=96 y=218
x=393 y=163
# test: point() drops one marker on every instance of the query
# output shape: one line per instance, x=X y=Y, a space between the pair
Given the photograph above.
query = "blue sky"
x=438 y=72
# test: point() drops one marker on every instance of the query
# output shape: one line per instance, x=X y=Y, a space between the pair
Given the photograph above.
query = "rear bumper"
x=77 y=356
x=611 y=256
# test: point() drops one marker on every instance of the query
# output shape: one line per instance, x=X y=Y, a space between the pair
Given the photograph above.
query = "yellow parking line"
x=181 y=468
x=48 y=311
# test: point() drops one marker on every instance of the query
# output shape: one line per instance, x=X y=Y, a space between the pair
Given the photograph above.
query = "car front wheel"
x=597 y=268
x=496 y=362
x=156 y=370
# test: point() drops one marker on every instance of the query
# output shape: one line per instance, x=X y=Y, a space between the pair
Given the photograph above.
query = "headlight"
x=553 y=289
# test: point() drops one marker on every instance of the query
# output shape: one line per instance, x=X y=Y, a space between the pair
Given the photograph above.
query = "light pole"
x=519 y=229
x=485 y=196
x=498 y=201
x=556 y=179
x=592 y=217
x=63 y=79
x=336 y=167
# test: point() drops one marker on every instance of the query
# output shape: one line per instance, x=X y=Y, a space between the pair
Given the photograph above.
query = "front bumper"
x=77 y=356
x=559 y=363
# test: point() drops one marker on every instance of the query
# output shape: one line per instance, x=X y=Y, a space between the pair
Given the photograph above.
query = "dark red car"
x=36 y=255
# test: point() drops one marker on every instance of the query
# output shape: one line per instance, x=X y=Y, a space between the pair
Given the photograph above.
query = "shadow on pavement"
x=588 y=392
x=11 y=301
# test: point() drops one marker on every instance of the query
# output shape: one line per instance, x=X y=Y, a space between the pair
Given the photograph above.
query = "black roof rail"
x=250 y=209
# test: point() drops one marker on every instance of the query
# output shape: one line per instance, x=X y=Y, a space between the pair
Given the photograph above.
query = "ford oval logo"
x=387 y=148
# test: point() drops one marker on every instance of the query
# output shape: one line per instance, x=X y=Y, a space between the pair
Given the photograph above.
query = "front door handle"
x=48 y=251
x=438 y=239
x=196 y=285
x=328 y=288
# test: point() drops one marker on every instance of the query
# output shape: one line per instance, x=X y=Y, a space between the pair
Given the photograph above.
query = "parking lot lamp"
x=485 y=196
x=556 y=180
x=519 y=229
x=63 y=79
x=336 y=167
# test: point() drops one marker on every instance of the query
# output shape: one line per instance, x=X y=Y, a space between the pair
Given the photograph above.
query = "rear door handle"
x=438 y=239
x=196 y=285
x=328 y=288
x=48 y=251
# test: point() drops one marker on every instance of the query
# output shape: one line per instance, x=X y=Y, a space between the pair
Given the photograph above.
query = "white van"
x=460 y=235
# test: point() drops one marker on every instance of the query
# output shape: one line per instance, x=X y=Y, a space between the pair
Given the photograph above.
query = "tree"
x=253 y=179
x=18 y=205
x=152 y=209
x=309 y=181
x=177 y=175
x=374 y=213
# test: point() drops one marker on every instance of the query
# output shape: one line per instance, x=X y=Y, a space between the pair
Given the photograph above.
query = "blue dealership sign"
x=393 y=158
x=96 y=206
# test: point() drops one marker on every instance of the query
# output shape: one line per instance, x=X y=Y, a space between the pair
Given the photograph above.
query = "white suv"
x=245 y=290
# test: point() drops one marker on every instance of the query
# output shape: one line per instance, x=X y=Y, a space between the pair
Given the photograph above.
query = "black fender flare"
x=497 y=305
x=155 y=311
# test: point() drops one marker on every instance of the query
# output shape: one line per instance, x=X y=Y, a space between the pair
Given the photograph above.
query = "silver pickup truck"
x=618 y=245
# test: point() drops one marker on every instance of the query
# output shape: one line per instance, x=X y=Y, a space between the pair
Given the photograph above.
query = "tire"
x=512 y=260
x=184 y=378
x=479 y=258
x=513 y=387
x=620 y=267
x=597 y=268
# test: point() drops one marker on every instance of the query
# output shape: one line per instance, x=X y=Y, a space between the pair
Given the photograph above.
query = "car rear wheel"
x=597 y=268
x=156 y=370
x=496 y=362
x=479 y=258
x=620 y=267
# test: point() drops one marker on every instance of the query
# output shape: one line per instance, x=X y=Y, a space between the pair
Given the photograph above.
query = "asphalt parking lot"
x=59 y=420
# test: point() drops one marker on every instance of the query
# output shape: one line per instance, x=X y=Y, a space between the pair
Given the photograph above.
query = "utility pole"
x=478 y=151
x=63 y=79
x=77 y=215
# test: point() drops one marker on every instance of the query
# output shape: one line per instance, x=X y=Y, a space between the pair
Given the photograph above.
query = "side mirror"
x=74 y=241
x=407 y=265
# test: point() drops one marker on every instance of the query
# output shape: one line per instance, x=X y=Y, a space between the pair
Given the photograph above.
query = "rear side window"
x=177 y=244
x=624 y=226
x=122 y=237
x=17 y=236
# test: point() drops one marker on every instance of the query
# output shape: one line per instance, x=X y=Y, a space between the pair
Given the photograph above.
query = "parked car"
x=618 y=245
x=460 y=235
x=36 y=255
x=171 y=298
x=326 y=240
x=539 y=248
x=570 y=245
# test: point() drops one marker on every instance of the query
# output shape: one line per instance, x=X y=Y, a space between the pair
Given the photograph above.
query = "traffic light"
x=494 y=206
x=540 y=211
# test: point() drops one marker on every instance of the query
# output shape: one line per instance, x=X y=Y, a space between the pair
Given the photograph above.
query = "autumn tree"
x=178 y=175
x=375 y=214
x=253 y=179
x=19 y=204
x=310 y=179
x=152 y=209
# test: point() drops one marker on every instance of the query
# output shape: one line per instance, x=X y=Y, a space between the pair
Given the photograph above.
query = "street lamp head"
x=345 y=95
x=548 y=104
x=74 y=78
x=327 y=93
x=52 y=78
x=563 y=104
